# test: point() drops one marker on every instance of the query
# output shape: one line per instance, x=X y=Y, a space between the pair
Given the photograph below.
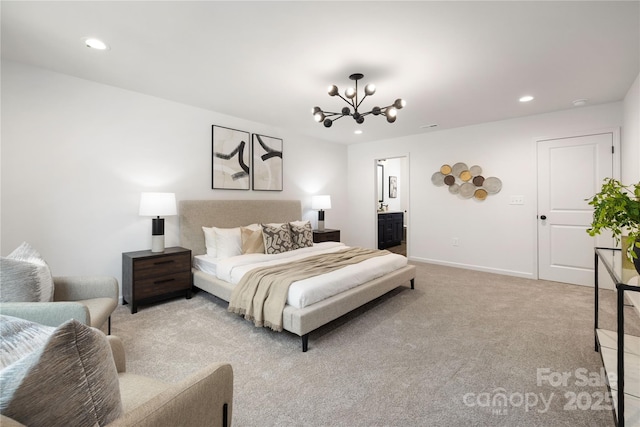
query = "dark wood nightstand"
x=150 y=276
x=327 y=235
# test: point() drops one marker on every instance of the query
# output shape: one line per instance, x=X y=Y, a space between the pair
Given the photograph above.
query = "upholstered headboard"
x=195 y=214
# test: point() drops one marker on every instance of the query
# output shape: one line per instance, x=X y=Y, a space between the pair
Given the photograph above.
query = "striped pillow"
x=71 y=381
x=25 y=277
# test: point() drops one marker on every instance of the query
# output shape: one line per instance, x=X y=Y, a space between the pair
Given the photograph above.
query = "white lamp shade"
x=158 y=204
x=321 y=202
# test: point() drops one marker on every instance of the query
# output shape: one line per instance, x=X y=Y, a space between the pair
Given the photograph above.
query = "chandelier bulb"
x=391 y=112
x=399 y=103
x=376 y=111
x=360 y=120
x=327 y=123
x=350 y=92
x=333 y=90
x=370 y=89
x=391 y=119
x=346 y=111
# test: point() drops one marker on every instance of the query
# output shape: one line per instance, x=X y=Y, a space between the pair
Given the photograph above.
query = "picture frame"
x=267 y=166
x=393 y=187
x=229 y=159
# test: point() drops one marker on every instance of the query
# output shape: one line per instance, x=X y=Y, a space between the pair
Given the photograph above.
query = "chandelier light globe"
x=370 y=89
x=399 y=103
x=350 y=92
x=351 y=98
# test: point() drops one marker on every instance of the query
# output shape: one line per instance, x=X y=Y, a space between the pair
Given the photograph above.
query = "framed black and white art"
x=230 y=159
x=267 y=163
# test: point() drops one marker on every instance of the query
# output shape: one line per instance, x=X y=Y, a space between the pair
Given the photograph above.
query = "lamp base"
x=320 y=225
x=157 y=243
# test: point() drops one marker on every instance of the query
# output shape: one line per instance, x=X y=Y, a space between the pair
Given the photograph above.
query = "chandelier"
x=351 y=98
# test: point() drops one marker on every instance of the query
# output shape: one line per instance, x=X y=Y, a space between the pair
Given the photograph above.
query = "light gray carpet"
x=440 y=355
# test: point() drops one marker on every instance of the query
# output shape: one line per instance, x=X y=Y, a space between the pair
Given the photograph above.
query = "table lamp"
x=156 y=204
x=320 y=203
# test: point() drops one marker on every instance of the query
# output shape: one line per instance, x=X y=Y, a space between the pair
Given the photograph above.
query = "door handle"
x=543 y=217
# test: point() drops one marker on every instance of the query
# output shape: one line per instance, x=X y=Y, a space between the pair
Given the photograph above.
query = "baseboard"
x=522 y=274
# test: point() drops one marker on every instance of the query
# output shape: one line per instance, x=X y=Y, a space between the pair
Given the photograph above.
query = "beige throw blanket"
x=262 y=293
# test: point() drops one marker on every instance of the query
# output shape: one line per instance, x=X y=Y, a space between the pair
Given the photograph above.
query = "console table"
x=620 y=352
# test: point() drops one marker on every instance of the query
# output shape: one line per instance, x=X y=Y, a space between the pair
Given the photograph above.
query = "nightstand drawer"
x=163 y=285
x=160 y=266
x=327 y=235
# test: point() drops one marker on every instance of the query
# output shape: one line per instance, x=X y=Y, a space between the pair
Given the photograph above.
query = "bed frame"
x=194 y=214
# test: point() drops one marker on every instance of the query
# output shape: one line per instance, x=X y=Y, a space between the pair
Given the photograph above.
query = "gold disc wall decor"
x=466 y=182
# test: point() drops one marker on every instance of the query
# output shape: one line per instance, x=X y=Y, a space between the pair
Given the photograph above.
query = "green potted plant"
x=617 y=208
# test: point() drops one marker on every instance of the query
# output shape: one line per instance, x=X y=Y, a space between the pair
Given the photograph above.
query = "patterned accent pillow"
x=71 y=381
x=25 y=276
x=277 y=238
x=301 y=234
x=252 y=240
x=20 y=338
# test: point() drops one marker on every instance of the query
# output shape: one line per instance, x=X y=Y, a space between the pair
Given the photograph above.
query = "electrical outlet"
x=517 y=200
x=456 y=241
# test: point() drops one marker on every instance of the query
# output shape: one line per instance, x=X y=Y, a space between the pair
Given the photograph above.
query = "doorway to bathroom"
x=392 y=206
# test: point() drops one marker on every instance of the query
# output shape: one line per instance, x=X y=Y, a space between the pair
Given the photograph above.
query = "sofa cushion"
x=71 y=381
x=20 y=338
x=25 y=276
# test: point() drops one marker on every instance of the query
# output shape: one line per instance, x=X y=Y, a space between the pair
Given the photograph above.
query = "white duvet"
x=309 y=291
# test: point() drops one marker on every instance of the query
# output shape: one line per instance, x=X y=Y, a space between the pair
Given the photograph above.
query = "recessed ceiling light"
x=526 y=98
x=580 y=102
x=94 y=43
x=357 y=131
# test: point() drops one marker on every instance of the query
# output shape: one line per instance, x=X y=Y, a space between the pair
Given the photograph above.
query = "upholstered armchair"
x=88 y=299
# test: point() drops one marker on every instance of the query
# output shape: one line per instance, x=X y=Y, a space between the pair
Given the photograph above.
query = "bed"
x=194 y=214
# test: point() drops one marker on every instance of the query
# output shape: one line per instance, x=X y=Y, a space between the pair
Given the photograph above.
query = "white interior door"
x=570 y=170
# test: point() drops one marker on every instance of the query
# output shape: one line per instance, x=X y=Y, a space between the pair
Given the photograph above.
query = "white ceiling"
x=455 y=63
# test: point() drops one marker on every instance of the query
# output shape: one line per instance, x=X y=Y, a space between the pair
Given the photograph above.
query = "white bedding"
x=309 y=291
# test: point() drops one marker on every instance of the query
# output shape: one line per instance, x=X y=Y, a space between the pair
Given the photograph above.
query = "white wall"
x=76 y=155
x=630 y=164
x=493 y=235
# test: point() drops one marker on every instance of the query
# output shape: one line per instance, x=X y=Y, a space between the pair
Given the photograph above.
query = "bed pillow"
x=252 y=240
x=277 y=238
x=71 y=381
x=228 y=242
x=20 y=338
x=301 y=234
x=210 y=241
x=25 y=276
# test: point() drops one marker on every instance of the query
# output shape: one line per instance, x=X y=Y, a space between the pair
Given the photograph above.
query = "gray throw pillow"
x=20 y=338
x=277 y=238
x=25 y=276
x=71 y=381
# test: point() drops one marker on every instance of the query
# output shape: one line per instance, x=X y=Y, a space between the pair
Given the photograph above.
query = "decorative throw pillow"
x=25 y=276
x=301 y=234
x=20 y=338
x=228 y=242
x=252 y=240
x=277 y=238
x=71 y=381
x=210 y=241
